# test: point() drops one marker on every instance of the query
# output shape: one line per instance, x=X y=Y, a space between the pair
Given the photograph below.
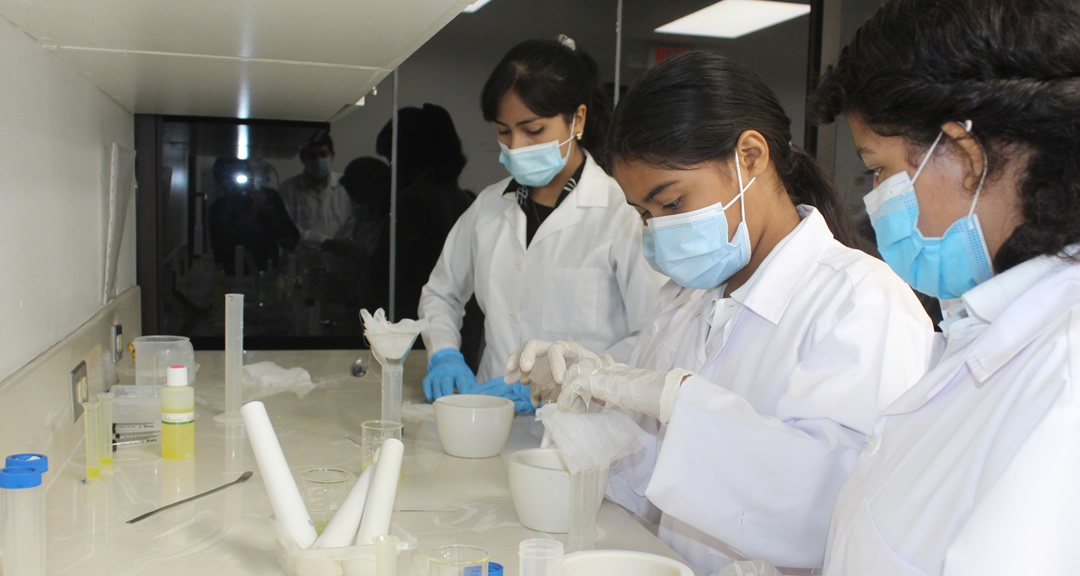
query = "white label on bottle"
x=177 y=418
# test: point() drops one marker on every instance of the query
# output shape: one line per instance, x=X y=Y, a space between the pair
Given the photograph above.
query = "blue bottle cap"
x=16 y=477
x=39 y=461
x=495 y=569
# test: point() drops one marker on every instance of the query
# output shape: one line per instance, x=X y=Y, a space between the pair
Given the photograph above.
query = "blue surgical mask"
x=693 y=248
x=536 y=165
x=318 y=169
x=944 y=267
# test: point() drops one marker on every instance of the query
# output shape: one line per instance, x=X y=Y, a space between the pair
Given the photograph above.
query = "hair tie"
x=567 y=41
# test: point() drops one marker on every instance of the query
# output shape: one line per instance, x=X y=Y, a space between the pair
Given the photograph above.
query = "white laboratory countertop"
x=231 y=532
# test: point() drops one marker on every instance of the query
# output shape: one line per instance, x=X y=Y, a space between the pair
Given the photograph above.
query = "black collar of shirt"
x=522 y=191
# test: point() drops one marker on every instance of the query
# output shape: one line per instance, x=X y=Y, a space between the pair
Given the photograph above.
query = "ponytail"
x=553 y=77
x=691 y=109
x=808 y=184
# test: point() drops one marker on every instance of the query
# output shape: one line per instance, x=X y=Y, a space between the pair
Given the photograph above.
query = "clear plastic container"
x=370 y=560
x=540 y=557
x=22 y=520
x=137 y=405
x=154 y=355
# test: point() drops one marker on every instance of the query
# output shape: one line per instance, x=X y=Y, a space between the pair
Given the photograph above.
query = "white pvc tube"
x=342 y=527
x=380 y=502
x=281 y=488
x=234 y=353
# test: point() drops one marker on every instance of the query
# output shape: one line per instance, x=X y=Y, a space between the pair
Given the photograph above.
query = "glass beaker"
x=373 y=434
x=324 y=490
x=457 y=561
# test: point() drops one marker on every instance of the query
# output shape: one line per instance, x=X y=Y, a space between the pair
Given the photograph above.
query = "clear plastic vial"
x=92 y=423
x=22 y=518
x=177 y=415
x=105 y=400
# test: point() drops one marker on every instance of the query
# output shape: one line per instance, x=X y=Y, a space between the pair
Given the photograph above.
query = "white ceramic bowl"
x=621 y=563
x=540 y=489
x=473 y=425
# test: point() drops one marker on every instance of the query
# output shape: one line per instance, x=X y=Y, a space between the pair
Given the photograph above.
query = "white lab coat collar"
x=590 y=192
x=781 y=274
x=1017 y=305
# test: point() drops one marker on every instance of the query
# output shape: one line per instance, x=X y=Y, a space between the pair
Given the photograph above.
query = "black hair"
x=552 y=78
x=427 y=141
x=321 y=138
x=367 y=180
x=1012 y=67
x=691 y=109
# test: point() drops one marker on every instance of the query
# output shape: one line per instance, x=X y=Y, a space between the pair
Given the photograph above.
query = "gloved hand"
x=517 y=392
x=447 y=369
x=542 y=365
x=756 y=567
x=647 y=391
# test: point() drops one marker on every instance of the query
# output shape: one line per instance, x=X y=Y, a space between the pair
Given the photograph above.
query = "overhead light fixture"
x=734 y=18
x=475 y=6
x=242 y=142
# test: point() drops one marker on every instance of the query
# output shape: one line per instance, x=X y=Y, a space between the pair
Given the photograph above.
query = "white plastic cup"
x=22 y=520
x=540 y=557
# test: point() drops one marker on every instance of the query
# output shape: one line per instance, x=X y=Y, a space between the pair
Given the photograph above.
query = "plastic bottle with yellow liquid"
x=177 y=415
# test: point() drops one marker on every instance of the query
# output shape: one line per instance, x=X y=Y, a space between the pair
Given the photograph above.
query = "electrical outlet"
x=117 y=342
x=80 y=390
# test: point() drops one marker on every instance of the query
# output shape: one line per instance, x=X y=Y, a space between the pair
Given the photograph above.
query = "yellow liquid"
x=177 y=440
x=93 y=473
x=106 y=461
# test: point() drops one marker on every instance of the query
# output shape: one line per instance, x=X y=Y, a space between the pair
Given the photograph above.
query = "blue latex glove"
x=447 y=369
x=517 y=392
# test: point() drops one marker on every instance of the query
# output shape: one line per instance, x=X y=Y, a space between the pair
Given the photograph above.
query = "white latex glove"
x=647 y=391
x=543 y=365
x=757 y=567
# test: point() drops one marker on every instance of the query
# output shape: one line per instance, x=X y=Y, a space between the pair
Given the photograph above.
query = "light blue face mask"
x=693 y=248
x=943 y=267
x=318 y=169
x=536 y=165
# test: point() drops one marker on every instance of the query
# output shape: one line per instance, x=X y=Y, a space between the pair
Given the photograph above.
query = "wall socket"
x=117 y=342
x=80 y=390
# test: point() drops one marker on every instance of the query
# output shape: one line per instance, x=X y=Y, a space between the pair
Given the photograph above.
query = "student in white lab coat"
x=551 y=252
x=776 y=346
x=968 y=112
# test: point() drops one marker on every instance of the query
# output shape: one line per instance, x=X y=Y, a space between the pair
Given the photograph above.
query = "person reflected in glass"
x=314 y=198
x=249 y=216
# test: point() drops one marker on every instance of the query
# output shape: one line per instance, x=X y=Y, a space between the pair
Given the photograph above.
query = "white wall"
x=56 y=132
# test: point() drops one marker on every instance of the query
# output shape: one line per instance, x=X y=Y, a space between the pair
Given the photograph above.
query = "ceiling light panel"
x=734 y=18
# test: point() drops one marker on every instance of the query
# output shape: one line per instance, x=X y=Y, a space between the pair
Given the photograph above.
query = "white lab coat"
x=582 y=278
x=317 y=211
x=792 y=371
x=976 y=470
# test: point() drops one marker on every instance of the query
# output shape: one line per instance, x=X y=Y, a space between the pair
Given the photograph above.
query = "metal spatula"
x=243 y=478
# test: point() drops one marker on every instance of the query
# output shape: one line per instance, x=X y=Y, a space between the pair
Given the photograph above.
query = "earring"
x=579 y=135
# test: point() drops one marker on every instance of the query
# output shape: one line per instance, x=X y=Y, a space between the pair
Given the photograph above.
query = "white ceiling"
x=279 y=59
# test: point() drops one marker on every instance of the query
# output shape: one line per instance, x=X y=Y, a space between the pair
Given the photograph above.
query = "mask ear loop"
x=742 y=191
x=926 y=159
x=573 y=123
x=982 y=179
